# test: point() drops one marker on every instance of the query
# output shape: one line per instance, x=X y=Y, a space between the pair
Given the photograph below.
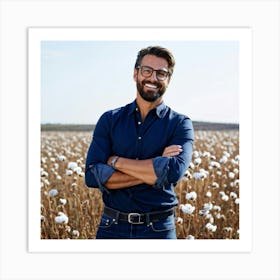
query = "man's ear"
x=135 y=74
x=168 y=80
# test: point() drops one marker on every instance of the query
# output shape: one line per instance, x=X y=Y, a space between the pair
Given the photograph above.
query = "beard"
x=150 y=95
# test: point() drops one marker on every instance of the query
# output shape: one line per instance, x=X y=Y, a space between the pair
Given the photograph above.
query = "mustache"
x=154 y=83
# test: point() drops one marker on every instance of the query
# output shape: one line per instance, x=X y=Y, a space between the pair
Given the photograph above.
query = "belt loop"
x=117 y=217
x=148 y=219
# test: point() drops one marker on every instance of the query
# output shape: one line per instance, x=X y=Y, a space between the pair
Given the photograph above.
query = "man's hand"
x=171 y=151
x=109 y=160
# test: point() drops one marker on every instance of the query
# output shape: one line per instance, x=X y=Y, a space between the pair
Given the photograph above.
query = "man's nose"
x=154 y=76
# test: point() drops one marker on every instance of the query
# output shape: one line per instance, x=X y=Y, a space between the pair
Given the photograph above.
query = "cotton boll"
x=77 y=170
x=208 y=206
x=202 y=174
x=53 y=192
x=76 y=233
x=235 y=170
x=63 y=201
x=69 y=172
x=44 y=174
x=61 y=218
x=197 y=175
x=226 y=154
x=180 y=221
x=224 y=159
x=187 y=208
x=61 y=158
x=225 y=197
x=46 y=182
x=191 y=195
x=217 y=208
x=191 y=165
x=215 y=164
x=227 y=229
x=188 y=175
x=208 y=194
x=190 y=237
x=206 y=154
x=222 y=193
x=195 y=154
x=215 y=185
x=237 y=201
x=72 y=165
x=211 y=227
x=233 y=195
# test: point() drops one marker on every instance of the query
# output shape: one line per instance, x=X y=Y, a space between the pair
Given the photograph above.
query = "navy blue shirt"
x=121 y=132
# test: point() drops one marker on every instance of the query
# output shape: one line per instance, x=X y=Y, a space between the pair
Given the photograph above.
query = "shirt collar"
x=132 y=107
x=160 y=109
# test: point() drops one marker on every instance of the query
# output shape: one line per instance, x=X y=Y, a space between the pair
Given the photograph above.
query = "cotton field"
x=208 y=194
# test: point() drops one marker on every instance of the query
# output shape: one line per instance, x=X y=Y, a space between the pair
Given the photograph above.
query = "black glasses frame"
x=158 y=72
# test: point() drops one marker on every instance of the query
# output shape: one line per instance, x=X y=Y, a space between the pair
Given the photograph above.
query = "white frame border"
x=242 y=35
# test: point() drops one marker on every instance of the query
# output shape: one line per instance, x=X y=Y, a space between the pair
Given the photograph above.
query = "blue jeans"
x=162 y=229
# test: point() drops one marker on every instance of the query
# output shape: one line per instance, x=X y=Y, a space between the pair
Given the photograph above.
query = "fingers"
x=109 y=160
x=172 y=150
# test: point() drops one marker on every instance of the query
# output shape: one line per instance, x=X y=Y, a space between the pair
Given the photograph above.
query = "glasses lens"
x=146 y=71
x=162 y=75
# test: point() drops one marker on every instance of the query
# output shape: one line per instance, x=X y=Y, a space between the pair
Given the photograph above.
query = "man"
x=138 y=154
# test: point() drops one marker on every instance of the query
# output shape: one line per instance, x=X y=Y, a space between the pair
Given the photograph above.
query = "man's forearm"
x=141 y=169
x=121 y=180
x=134 y=172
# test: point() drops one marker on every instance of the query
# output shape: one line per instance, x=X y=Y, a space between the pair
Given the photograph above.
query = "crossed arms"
x=158 y=172
x=132 y=172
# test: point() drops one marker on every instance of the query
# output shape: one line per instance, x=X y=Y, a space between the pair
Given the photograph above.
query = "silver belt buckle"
x=131 y=218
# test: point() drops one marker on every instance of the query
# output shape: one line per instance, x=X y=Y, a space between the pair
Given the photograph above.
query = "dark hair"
x=157 y=51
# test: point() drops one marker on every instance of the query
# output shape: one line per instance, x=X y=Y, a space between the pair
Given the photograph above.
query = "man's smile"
x=150 y=85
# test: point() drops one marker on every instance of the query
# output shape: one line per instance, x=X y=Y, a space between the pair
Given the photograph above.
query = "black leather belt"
x=138 y=218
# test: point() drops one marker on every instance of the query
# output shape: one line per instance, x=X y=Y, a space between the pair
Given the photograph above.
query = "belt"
x=138 y=218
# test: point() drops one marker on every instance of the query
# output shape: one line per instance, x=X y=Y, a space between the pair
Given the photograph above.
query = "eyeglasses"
x=147 y=71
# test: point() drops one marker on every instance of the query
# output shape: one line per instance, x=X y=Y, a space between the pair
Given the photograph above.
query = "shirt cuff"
x=161 y=169
x=102 y=173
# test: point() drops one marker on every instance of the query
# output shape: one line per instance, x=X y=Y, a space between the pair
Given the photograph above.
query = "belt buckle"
x=132 y=216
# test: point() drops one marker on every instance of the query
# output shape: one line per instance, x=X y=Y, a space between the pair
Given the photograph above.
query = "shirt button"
x=139 y=123
x=136 y=109
x=139 y=138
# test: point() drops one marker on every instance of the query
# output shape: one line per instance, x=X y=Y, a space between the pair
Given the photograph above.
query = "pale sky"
x=82 y=79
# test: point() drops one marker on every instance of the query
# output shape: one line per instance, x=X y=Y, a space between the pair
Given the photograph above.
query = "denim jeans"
x=162 y=229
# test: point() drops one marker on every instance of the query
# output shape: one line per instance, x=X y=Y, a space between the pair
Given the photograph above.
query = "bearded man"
x=138 y=154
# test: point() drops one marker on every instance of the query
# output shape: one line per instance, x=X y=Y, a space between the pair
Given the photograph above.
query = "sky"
x=80 y=80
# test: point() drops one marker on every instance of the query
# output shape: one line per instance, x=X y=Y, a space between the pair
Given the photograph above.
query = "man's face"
x=151 y=88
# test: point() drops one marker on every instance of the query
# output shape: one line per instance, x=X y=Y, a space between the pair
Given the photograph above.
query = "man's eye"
x=147 y=71
x=162 y=74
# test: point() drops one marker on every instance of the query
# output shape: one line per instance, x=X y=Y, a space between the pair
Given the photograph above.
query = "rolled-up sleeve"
x=97 y=171
x=170 y=170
